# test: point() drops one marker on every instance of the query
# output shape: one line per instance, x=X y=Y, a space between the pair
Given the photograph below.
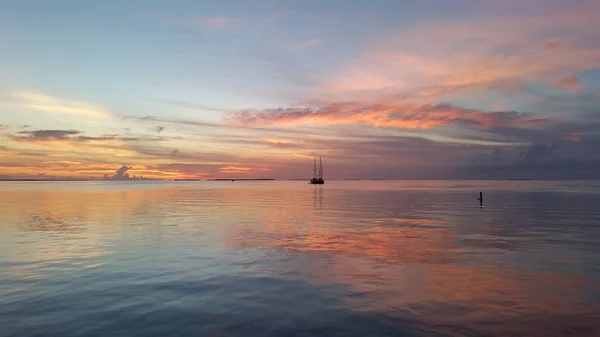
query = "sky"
x=386 y=89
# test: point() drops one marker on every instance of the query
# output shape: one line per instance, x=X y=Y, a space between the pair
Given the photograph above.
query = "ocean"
x=285 y=258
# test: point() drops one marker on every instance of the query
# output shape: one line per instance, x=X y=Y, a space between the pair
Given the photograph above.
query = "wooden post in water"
x=480 y=198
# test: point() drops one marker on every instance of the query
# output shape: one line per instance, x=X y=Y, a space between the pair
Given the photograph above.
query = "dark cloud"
x=117 y=137
x=48 y=134
x=497 y=156
x=88 y=138
x=572 y=130
x=31 y=154
x=11 y=164
x=536 y=153
x=401 y=153
x=581 y=111
x=75 y=136
x=141 y=139
x=541 y=160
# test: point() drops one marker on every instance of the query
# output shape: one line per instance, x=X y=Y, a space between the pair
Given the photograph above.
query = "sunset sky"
x=390 y=89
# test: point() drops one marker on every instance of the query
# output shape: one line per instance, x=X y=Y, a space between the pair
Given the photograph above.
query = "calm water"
x=366 y=258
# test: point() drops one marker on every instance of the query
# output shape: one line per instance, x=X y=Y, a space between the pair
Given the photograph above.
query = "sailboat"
x=317 y=178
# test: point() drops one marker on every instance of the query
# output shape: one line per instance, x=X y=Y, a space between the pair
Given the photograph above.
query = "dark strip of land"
x=243 y=179
x=24 y=179
x=225 y=179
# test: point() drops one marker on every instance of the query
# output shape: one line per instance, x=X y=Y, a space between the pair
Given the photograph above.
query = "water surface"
x=363 y=258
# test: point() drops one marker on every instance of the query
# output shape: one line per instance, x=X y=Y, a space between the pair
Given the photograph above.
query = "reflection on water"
x=286 y=258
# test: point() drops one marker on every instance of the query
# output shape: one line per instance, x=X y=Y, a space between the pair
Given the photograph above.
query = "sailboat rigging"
x=317 y=177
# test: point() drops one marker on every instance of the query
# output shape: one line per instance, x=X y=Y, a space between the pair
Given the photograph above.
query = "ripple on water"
x=365 y=258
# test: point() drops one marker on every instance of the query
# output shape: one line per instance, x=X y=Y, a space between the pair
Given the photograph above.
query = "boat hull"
x=317 y=181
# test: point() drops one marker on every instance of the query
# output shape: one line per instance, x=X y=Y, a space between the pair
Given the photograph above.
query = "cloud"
x=75 y=137
x=91 y=139
x=276 y=15
x=46 y=103
x=308 y=43
x=155 y=119
x=216 y=22
x=536 y=153
x=47 y=134
x=497 y=156
x=573 y=137
x=187 y=168
x=195 y=22
x=540 y=160
x=159 y=129
x=121 y=174
x=211 y=169
x=17 y=153
x=570 y=83
x=488 y=51
x=210 y=125
x=573 y=130
x=430 y=65
x=241 y=169
x=287 y=143
x=192 y=106
x=395 y=115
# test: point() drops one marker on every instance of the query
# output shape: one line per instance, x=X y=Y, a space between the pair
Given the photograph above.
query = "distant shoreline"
x=25 y=179
x=225 y=179
x=272 y=179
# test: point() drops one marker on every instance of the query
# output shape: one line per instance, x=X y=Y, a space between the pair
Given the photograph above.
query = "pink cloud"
x=573 y=137
x=277 y=15
x=399 y=115
x=570 y=83
x=495 y=50
x=308 y=43
x=216 y=22
x=195 y=22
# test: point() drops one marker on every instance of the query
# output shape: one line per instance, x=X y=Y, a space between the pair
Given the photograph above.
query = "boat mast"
x=320 y=168
x=315 y=169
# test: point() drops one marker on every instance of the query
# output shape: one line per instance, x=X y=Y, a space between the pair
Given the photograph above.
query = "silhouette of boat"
x=317 y=178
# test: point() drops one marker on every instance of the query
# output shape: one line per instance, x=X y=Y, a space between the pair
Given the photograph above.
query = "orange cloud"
x=242 y=169
x=277 y=141
x=396 y=114
x=74 y=169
